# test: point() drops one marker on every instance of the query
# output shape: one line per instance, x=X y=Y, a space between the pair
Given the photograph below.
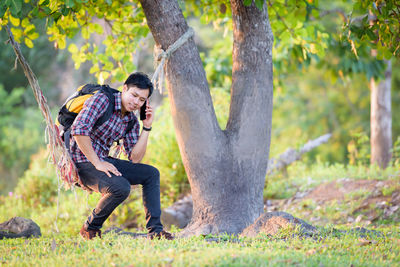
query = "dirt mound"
x=337 y=190
x=271 y=223
x=344 y=201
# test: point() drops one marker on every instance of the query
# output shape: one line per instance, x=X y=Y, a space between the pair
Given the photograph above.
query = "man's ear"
x=124 y=88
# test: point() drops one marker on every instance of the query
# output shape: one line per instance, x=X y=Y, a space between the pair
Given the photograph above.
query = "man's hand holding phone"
x=148 y=121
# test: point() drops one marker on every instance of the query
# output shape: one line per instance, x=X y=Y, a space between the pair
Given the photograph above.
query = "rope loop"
x=161 y=56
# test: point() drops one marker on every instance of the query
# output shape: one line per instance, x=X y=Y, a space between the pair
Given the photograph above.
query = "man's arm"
x=139 y=149
x=85 y=145
x=92 y=110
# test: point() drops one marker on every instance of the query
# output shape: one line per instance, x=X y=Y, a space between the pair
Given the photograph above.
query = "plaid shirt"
x=104 y=135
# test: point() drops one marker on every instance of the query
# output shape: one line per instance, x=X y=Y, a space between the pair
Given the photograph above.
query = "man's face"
x=133 y=98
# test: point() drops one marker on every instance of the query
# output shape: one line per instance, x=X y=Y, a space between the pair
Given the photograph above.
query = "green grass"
x=329 y=250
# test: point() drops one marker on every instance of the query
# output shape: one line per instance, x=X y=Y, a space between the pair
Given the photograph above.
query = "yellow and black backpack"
x=71 y=108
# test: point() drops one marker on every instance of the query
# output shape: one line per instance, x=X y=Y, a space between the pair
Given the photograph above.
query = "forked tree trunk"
x=381 y=119
x=226 y=168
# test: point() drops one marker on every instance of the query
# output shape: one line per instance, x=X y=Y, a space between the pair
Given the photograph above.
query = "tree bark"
x=381 y=119
x=226 y=168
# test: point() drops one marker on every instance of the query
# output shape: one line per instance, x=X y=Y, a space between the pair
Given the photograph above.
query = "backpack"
x=74 y=104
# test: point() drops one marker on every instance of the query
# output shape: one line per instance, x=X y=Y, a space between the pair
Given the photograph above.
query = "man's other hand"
x=108 y=168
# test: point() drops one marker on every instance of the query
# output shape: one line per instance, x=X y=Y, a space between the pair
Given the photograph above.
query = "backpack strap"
x=109 y=92
x=67 y=139
x=129 y=127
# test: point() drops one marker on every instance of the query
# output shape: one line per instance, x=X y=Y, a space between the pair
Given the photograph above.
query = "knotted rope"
x=58 y=154
x=161 y=56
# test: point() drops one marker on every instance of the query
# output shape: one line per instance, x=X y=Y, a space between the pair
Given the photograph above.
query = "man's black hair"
x=140 y=80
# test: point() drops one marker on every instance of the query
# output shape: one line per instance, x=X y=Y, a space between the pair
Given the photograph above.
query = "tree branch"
x=250 y=114
x=291 y=155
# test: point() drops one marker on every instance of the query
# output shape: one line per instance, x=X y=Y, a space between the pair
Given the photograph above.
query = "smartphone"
x=143 y=111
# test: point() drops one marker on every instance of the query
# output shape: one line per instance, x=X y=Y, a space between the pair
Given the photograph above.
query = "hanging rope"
x=161 y=56
x=58 y=154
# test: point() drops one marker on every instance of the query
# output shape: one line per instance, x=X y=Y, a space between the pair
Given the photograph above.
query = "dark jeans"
x=116 y=189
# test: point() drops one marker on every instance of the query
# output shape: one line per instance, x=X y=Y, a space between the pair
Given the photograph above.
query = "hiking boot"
x=161 y=235
x=89 y=234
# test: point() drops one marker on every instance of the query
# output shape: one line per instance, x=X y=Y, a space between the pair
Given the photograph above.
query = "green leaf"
x=33 y=36
x=372 y=36
x=73 y=49
x=259 y=4
x=61 y=43
x=65 y=10
x=28 y=42
x=247 y=2
x=15 y=7
x=35 y=12
x=85 y=33
x=387 y=54
x=25 y=23
x=70 y=3
x=17 y=34
x=98 y=28
x=119 y=75
x=29 y=29
x=46 y=10
x=56 y=16
x=44 y=3
x=61 y=29
x=129 y=66
x=94 y=68
x=14 y=21
x=3 y=9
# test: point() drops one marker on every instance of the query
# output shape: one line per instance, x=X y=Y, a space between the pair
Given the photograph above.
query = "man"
x=110 y=176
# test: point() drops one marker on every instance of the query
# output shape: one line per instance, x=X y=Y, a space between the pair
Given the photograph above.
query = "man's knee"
x=121 y=189
x=153 y=175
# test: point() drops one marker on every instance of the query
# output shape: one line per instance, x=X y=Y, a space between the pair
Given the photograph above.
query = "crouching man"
x=110 y=176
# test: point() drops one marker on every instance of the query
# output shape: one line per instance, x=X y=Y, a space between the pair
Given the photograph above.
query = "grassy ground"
x=330 y=248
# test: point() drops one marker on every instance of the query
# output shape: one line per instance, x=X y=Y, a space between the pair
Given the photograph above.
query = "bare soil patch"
x=361 y=200
x=337 y=190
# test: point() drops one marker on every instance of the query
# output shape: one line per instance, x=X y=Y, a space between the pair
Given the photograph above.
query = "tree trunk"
x=226 y=168
x=381 y=119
